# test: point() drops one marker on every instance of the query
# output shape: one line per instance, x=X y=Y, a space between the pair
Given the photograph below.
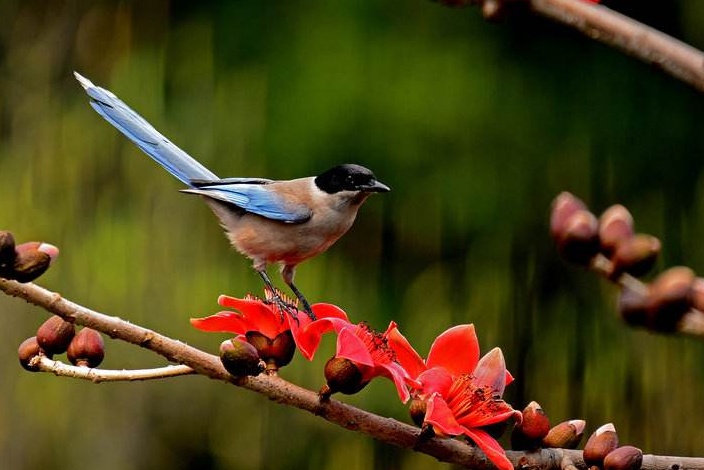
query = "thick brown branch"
x=387 y=430
x=678 y=59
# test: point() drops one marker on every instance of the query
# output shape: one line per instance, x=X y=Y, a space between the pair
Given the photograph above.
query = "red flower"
x=263 y=324
x=462 y=393
x=366 y=349
x=473 y=401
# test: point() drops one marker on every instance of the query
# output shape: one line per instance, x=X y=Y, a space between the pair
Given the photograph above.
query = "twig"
x=673 y=56
x=386 y=430
x=44 y=364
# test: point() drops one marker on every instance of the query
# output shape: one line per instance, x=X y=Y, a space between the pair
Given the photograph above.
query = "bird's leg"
x=281 y=303
x=287 y=273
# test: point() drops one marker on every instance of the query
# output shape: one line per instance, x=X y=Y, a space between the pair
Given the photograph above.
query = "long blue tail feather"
x=144 y=135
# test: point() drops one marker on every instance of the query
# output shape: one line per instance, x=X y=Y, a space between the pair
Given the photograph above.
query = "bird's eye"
x=349 y=180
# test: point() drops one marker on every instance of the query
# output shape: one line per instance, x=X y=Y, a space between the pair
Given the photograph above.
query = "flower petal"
x=350 y=346
x=262 y=317
x=491 y=371
x=488 y=411
x=456 y=349
x=405 y=354
x=437 y=379
x=222 y=322
x=398 y=375
x=490 y=447
x=439 y=414
x=308 y=335
x=323 y=310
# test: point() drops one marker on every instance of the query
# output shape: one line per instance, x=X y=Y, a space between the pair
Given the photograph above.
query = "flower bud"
x=275 y=353
x=578 y=242
x=528 y=434
x=417 y=410
x=54 y=335
x=670 y=298
x=615 y=226
x=28 y=350
x=7 y=252
x=624 y=458
x=240 y=358
x=494 y=10
x=603 y=441
x=563 y=206
x=565 y=435
x=87 y=348
x=342 y=375
x=633 y=305
x=32 y=260
x=635 y=256
x=698 y=294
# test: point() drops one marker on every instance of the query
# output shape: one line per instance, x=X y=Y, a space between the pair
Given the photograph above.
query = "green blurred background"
x=475 y=126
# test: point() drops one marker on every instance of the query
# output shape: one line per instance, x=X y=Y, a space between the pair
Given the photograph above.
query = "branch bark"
x=651 y=46
x=387 y=430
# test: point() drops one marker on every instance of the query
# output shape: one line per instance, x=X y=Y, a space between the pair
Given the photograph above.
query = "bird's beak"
x=376 y=187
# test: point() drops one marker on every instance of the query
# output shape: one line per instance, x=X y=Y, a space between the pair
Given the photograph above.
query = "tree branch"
x=386 y=430
x=691 y=323
x=651 y=46
x=44 y=364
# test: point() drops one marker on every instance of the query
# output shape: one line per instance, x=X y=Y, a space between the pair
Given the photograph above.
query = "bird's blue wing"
x=144 y=135
x=257 y=198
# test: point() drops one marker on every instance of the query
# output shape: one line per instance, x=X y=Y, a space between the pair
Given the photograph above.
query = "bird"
x=268 y=221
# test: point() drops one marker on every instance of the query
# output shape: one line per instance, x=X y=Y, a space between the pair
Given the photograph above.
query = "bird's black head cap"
x=349 y=177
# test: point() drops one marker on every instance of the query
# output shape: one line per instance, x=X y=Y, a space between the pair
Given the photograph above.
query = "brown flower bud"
x=417 y=410
x=240 y=358
x=603 y=441
x=342 y=375
x=87 y=349
x=670 y=298
x=565 y=435
x=28 y=350
x=563 y=206
x=529 y=433
x=55 y=334
x=633 y=305
x=578 y=241
x=615 y=226
x=624 y=458
x=635 y=256
x=277 y=352
x=32 y=260
x=29 y=264
x=698 y=294
x=7 y=252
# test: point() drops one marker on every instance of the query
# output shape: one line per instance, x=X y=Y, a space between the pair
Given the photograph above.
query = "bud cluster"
x=610 y=245
x=24 y=262
x=58 y=336
x=601 y=451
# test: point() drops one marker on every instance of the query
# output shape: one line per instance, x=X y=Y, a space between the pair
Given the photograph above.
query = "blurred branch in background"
x=610 y=247
x=602 y=24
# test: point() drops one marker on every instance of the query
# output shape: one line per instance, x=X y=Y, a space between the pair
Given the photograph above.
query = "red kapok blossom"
x=461 y=392
x=454 y=352
x=471 y=402
x=262 y=323
x=367 y=350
